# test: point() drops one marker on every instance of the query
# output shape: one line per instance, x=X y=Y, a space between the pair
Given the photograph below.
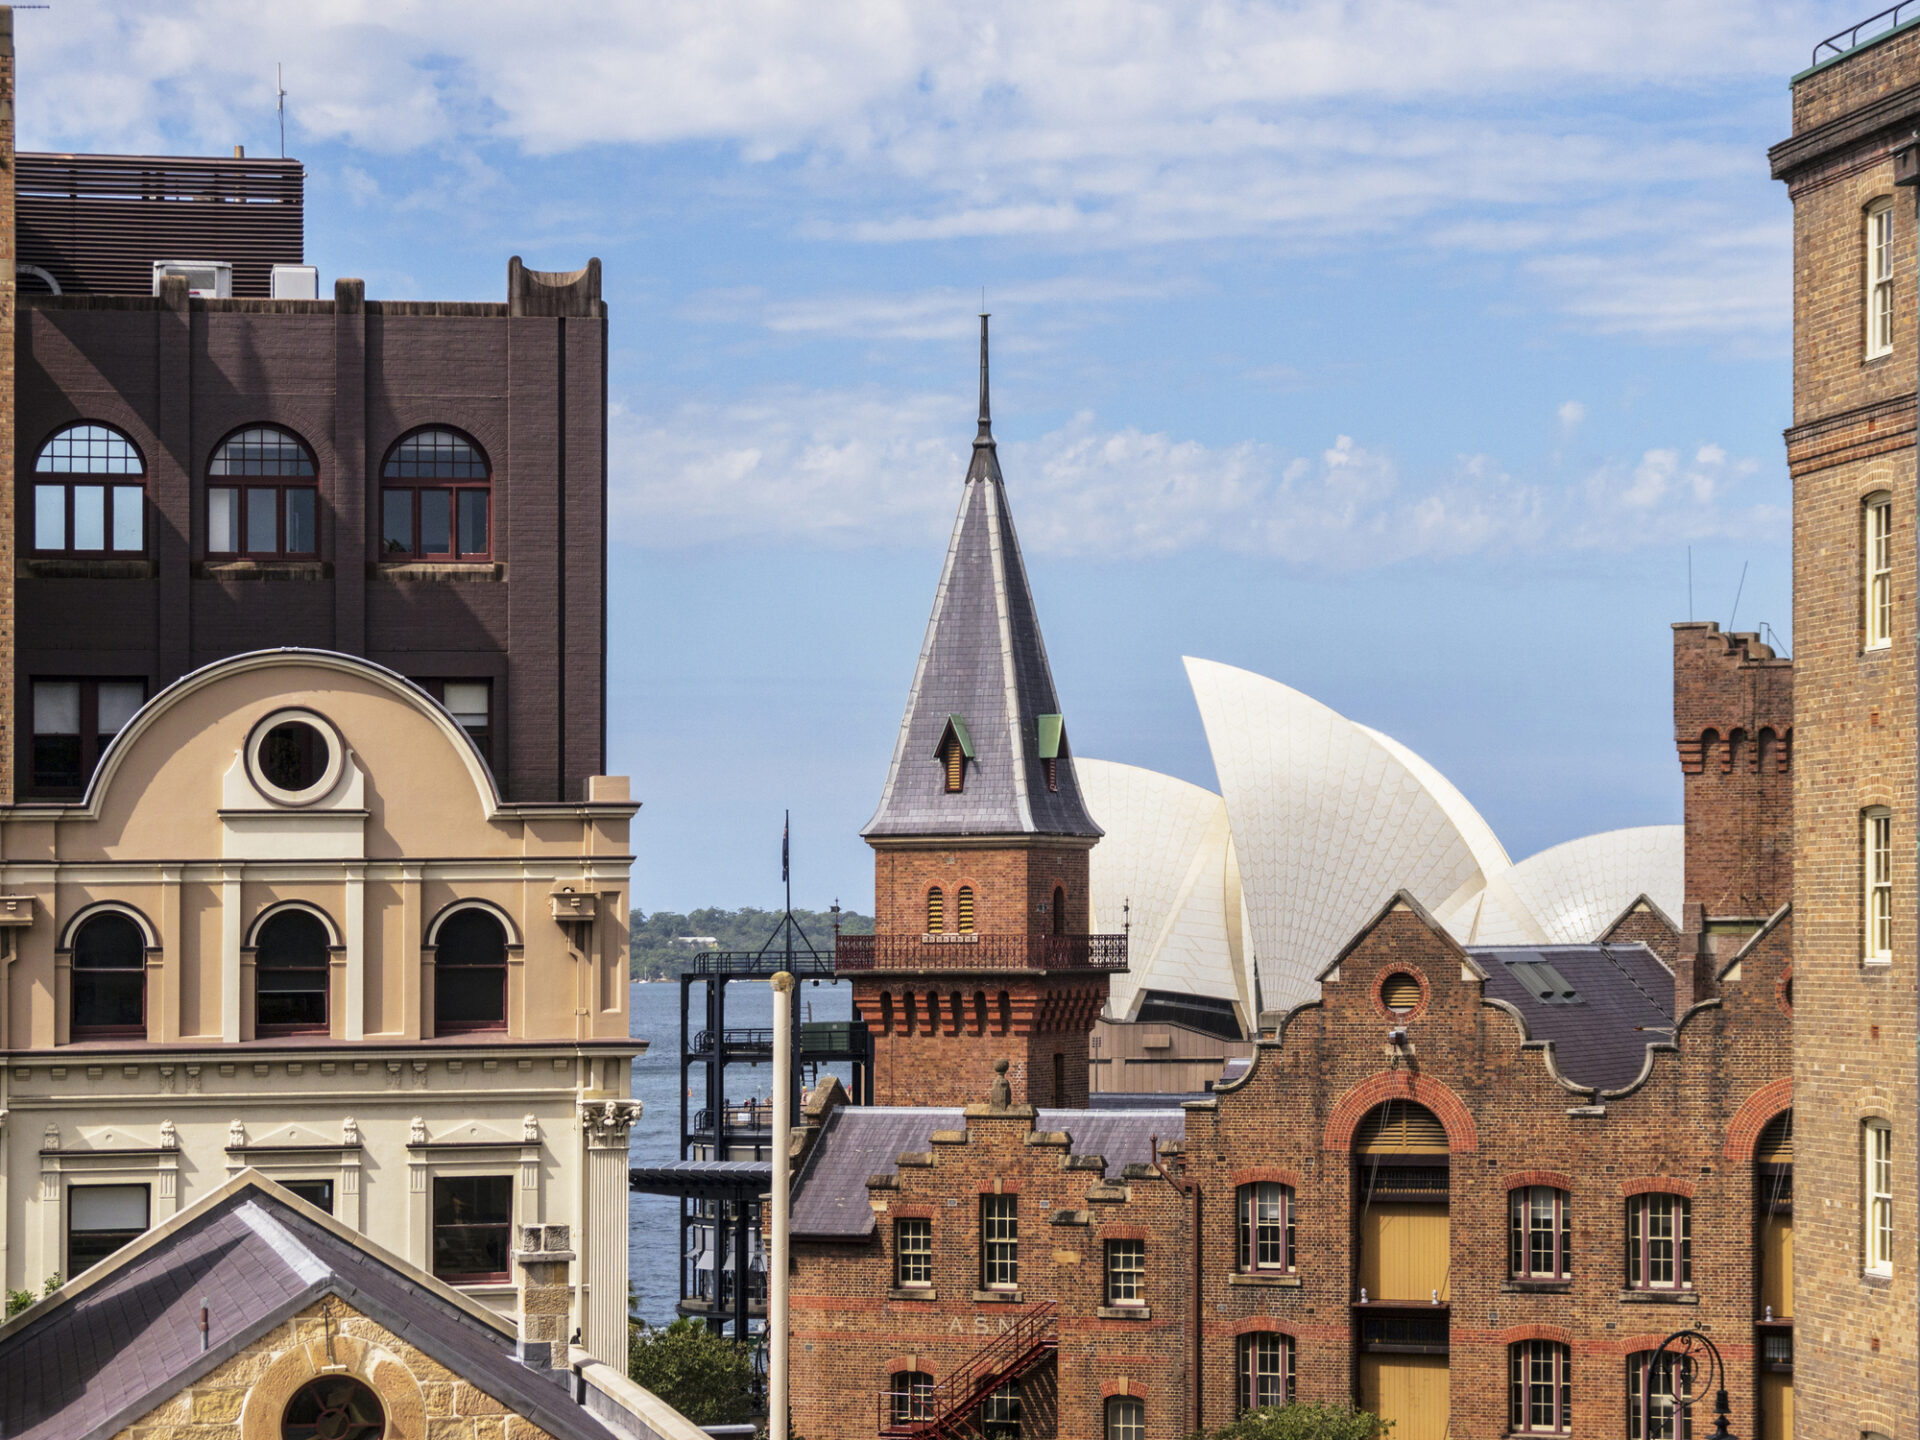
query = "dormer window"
x=955 y=750
x=1053 y=744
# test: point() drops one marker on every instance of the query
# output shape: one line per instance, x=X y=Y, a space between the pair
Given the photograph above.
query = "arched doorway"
x=1773 y=1267
x=1403 y=1251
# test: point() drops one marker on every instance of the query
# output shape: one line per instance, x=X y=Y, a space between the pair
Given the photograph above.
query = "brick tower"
x=981 y=904
x=1733 y=725
x=1856 y=1318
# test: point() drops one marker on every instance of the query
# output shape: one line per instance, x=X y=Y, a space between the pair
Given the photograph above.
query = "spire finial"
x=985 y=437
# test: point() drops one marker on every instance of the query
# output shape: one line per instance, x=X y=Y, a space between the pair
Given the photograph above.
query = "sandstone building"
x=1851 y=454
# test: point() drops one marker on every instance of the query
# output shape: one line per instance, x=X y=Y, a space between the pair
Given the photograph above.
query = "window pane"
x=223 y=521
x=261 y=451
x=301 y=531
x=89 y=450
x=473 y=522
x=56 y=707
x=466 y=701
x=435 y=455
x=128 y=511
x=396 y=522
x=436 y=522
x=109 y=1000
x=108 y=1207
x=89 y=517
x=263 y=528
x=119 y=699
x=49 y=517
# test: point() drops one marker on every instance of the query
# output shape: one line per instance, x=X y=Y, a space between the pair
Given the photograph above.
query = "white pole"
x=777 y=1287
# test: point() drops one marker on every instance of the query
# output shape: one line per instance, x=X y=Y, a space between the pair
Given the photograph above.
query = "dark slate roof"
x=830 y=1194
x=983 y=661
x=89 y=1362
x=1625 y=1004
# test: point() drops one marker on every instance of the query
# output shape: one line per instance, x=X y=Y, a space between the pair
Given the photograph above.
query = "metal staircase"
x=948 y=1409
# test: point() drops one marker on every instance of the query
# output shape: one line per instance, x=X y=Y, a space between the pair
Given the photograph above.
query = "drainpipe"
x=1192 y=1189
x=1906 y=172
x=777 y=1262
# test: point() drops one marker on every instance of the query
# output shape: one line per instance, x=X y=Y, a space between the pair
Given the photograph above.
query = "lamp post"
x=777 y=1269
x=1694 y=1355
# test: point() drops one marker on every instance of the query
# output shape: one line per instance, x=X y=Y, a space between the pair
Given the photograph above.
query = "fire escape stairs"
x=949 y=1410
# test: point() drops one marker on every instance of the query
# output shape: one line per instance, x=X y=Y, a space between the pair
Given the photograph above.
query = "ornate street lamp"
x=1695 y=1357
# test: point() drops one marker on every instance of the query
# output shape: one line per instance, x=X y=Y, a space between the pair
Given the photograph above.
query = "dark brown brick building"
x=1851 y=454
x=422 y=483
x=1471 y=1189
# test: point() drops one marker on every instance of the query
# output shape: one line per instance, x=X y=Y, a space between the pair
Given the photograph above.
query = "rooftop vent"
x=1543 y=982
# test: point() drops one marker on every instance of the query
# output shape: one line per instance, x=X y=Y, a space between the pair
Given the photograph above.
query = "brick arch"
x=1631 y=1344
x=1524 y=1179
x=1264 y=1325
x=1463 y=1138
x=1657 y=1185
x=1514 y=1334
x=1265 y=1174
x=1753 y=1116
x=1124 y=1386
x=913 y=1364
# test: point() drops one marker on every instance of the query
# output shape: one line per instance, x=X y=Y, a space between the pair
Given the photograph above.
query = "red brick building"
x=1472 y=1189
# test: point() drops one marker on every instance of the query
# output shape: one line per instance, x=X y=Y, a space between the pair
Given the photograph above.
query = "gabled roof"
x=983 y=665
x=1622 y=1003
x=125 y=1336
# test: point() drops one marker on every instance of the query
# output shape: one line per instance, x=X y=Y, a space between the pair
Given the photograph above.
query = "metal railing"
x=761 y=962
x=981 y=952
x=753 y=1115
x=1832 y=47
x=942 y=1410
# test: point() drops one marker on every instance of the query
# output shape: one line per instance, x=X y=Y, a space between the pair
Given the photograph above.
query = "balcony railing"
x=980 y=952
x=1871 y=28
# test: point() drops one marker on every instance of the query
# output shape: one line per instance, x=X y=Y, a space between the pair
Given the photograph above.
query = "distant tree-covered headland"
x=665 y=942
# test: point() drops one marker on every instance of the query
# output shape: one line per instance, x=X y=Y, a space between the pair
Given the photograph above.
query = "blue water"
x=653 y=1221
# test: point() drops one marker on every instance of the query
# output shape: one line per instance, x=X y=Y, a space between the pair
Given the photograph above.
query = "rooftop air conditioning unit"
x=296 y=282
x=206 y=279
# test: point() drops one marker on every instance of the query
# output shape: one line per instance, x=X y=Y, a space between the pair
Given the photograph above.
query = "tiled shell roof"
x=984 y=662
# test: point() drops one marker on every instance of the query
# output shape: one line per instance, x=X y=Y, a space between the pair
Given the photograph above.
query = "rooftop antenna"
x=280 y=104
x=1736 y=594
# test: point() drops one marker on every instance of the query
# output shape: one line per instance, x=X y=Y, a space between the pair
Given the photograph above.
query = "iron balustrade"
x=807 y=964
x=980 y=952
x=1833 y=49
x=741 y=1118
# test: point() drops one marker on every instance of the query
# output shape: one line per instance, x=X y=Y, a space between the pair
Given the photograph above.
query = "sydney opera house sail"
x=1240 y=899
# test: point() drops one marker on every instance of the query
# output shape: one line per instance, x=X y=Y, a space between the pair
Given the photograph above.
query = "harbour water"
x=653 y=1221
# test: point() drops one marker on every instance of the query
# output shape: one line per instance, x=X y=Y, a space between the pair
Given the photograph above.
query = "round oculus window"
x=295 y=757
x=1400 y=993
x=334 y=1407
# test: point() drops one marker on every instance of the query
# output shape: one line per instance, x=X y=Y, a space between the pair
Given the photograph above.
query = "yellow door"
x=1403 y=1252
x=1409 y=1390
x=1776 y=1405
x=1776 y=1264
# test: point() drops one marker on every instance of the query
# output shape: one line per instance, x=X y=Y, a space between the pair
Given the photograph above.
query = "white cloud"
x=1571 y=413
x=1477 y=124
x=863 y=468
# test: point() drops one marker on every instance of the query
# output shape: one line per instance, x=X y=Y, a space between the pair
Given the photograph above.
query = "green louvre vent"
x=1544 y=983
x=1052 y=730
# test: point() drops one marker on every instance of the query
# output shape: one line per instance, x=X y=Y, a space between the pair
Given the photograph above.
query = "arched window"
x=963 y=910
x=1660 y=1242
x=89 y=494
x=912 y=1396
x=1540 y=1233
x=1126 y=1418
x=1877 y=1170
x=469 y=973
x=1266 y=1228
x=1876 y=833
x=334 y=1407
x=1879 y=296
x=290 y=975
x=1059 y=911
x=109 y=979
x=1651 y=1413
x=1539 y=1388
x=434 y=498
x=1877 y=568
x=263 y=497
x=936 y=911
x=1265 y=1371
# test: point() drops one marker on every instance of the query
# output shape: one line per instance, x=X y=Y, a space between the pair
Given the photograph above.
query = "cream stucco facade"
x=401 y=829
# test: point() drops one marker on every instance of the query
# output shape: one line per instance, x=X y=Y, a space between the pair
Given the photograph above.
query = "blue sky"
x=1399 y=352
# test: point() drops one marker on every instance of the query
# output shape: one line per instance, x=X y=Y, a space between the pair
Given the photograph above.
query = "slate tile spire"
x=983 y=680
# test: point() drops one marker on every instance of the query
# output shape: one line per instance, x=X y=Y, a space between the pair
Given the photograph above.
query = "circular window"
x=1400 y=993
x=295 y=757
x=334 y=1407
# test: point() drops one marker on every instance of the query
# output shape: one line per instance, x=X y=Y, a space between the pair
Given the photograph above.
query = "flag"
x=785 y=826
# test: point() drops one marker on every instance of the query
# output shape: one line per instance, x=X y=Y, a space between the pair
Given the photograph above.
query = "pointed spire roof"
x=983 y=677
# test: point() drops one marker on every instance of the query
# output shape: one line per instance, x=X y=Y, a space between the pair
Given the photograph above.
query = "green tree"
x=657 y=954
x=706 y=1377
x=1303 y=1422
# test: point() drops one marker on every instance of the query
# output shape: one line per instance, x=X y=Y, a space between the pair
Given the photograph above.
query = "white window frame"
x=1126 y=1272
x=1877 y=558
x=1879 y=276
x=1000 y=1242
x=1876 y=834
x=1876 y=1146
